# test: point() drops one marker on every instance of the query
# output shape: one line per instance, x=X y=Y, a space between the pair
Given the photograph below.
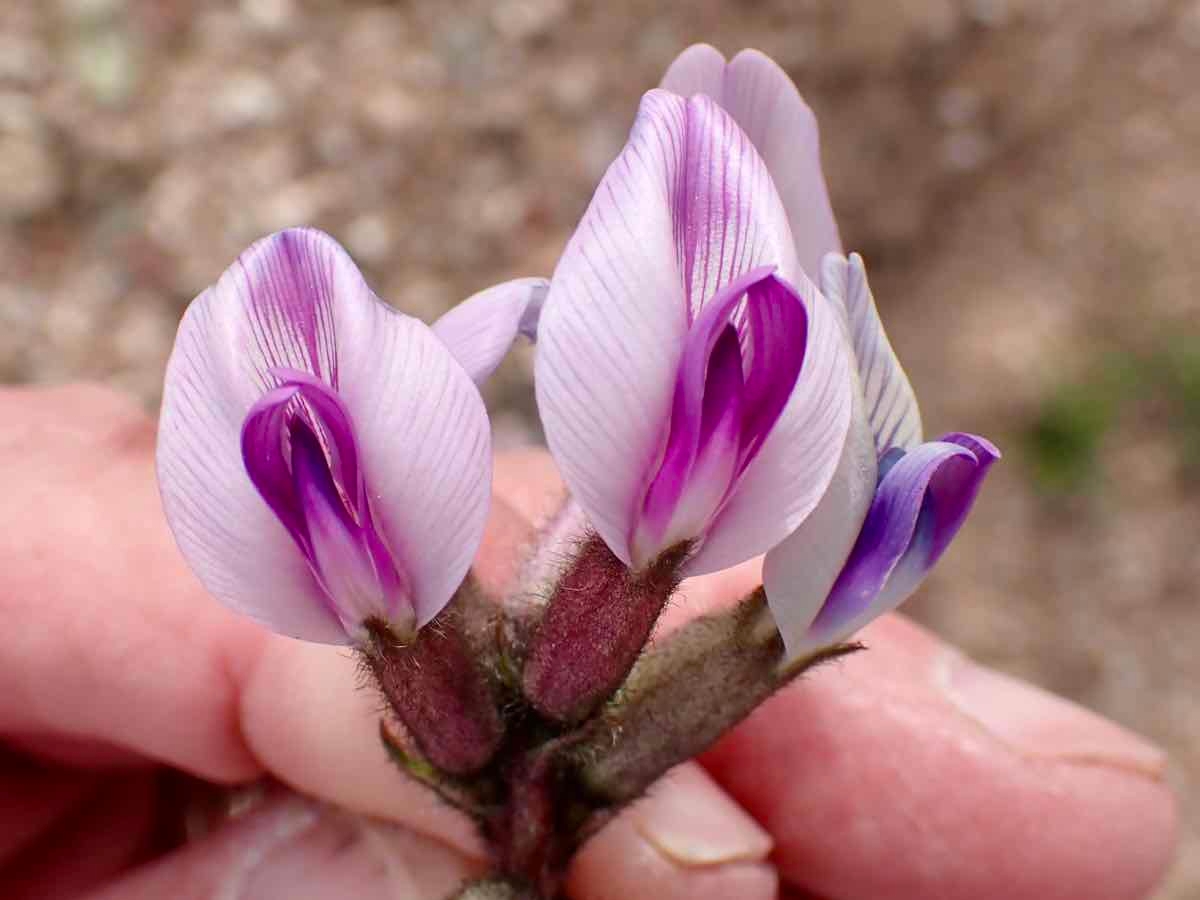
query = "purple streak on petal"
x=687 y=208
x=701 y=457
x=724 y=385
x=288 y=281
x=357 y=573
x=299 y=450
x=722 y=199
x=791 y=471
x=922 y=500
x=688 y=407
x=764 y=102
x=265 y=456
x=730 y=391
x=777 y=332
x=265 y=443
x=326 y=414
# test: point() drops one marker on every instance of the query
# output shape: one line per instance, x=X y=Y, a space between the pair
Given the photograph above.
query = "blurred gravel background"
x=1022 y=176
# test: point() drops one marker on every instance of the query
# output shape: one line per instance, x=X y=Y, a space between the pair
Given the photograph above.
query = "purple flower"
x=693 y=384
x=322 y=458
x=894 y=505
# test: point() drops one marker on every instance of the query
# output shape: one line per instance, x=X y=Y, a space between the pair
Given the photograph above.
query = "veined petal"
x=686 y=208
x=799 y=573
x=789 y=475
x=700 y=69
x=294 y=303
x=922 y=500
x=346 y=556
x=890 y=402
x=480 y=330
x=701 y=457
x=232 y=539
x=763 y=100
x=730 y=218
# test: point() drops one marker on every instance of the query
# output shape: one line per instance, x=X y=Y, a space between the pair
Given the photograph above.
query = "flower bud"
x=599 y=617
x=437 y=688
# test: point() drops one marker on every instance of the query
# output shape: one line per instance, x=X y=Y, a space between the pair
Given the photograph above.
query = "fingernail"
x=693 y=823
x=1039 y=724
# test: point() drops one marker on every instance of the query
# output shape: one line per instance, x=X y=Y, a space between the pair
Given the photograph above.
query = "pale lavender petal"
x=700 y=69
x=784 y=482
x=264 y=449
x=763 y=100
x=294 y=303
x=890 y=402
x=921 y=502
x=728 y=216
x=425 y=447
x=234 y=542
x=357 y=573
x=702 y=452
x=686 y=208
x=480 y=330
x=775 y=336
x=266 y=457
x=799 y=573
x=691 y=399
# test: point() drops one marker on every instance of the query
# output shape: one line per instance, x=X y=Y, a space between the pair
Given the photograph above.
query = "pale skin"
x=867 y=781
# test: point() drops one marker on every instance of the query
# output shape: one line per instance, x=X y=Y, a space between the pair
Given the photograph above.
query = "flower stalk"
x=686 y=692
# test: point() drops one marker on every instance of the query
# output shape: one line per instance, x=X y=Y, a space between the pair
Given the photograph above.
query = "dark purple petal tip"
x=922 y=500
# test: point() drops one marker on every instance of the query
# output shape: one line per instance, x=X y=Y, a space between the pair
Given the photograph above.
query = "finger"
x=686 y=840
x=528 y=481
x=310 y=717
x=117 y=645
x=103 y=838
x=124 y=654
x=301 y=850
x=904 y=772
x=33 y=799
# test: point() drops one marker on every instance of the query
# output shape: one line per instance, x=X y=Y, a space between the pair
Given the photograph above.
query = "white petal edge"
x=799 y=572
x=764 y=101
x=234 y=543
x=612 y=329
x=790 y=475
x=891 y=404
x=699 y=69
x=481 y=329
x=425 y=445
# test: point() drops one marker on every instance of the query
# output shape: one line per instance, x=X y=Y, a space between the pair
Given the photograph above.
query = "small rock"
x=270 y=16
x=247 y=99
x=104 y=62
x=958 y=106
x=22 y=60
x=31 y=178
x=369 y=238
x=966 y=150
x=521 y=20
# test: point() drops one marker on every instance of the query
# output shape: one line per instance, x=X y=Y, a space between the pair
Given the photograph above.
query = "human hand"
x=128 y=695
